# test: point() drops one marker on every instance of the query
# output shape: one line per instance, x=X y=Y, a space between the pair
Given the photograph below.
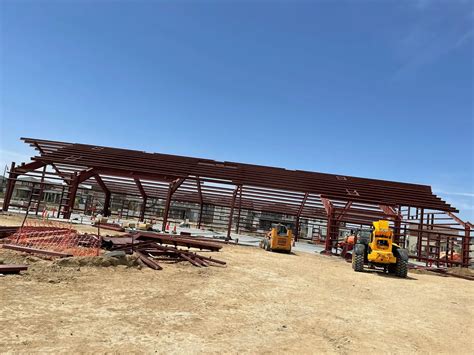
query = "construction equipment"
x=378 y=250
x=278 y=239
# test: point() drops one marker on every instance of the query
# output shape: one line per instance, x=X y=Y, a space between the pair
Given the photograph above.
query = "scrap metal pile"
x=152 y=248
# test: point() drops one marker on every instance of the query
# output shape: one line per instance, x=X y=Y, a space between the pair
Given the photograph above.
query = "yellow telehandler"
x=380 y=251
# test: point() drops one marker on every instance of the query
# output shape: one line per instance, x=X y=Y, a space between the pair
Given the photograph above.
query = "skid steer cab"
x=378 y=250
x=278 y=239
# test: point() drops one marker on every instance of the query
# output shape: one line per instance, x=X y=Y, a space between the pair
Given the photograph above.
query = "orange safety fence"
x=55 y=236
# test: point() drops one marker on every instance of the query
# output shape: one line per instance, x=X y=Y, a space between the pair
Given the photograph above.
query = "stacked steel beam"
x=152 y=248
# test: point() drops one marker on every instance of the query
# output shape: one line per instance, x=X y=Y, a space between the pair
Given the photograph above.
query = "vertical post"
x=71 y=197
x=41 y=190
x=328 y=207
x=87 y=203
x=143 y=208
x=60 y=202
x=398 y=226
x=121 y=208
x=229 y=226
x=10 y=187
x=108 y=195
x=420 y=232
x=300 y=210
x=167 y=207
x=201 y=202
x=465 y=245
x=329 y=231
x=173 y=186
x=141 y=218
x=238 y=214
x=297 y=228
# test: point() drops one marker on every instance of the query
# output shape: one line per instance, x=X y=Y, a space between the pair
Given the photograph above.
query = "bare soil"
x=261 y=302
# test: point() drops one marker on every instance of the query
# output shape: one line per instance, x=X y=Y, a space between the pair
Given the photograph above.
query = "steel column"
x=420 y=233
x=71 y=197
x=240 y=208
x=60 y=201
x=466 y=245
x=229 y=226
x=41 y=191
x=108 y=195
x=300 y=210
x=167 y=207
x=398 y=228
x=329 y=226
x=12 y=176
x=144 y=198
x=173 y=186
x=201 y=201
x=143 y=209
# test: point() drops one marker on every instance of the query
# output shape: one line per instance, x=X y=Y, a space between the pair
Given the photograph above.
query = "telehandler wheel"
x=358 y=262
x=401 y=268
x=392 y=269
x=267 y=245
x=358 y=256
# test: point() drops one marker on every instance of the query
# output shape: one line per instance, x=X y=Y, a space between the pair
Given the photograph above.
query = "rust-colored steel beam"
x=344 y=210
x=328 y=206
x=12 y=268
x=240 y=208
x=169 y=166
x=201 y=201
x=389 y=211
x=173 y=186
x=35 y=250
x=229 y=226
x=63 y=176
x=144 y=199
x=107 y=193
x=459 y=220
x=300 y=210
x=10 y=187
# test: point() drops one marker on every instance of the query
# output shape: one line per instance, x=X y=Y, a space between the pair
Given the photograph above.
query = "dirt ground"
x=261 y=302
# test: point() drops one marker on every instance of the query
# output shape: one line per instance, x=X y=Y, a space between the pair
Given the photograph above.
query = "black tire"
x=358 y=261
x=392 y=268
x=267 y=245
x=401 y=268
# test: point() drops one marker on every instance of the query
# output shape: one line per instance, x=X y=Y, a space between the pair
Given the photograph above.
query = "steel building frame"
x=340 y=200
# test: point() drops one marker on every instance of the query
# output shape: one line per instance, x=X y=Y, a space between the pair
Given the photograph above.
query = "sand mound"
x=98 y=261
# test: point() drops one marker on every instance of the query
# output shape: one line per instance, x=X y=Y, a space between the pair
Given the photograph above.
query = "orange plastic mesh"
x=55 y=236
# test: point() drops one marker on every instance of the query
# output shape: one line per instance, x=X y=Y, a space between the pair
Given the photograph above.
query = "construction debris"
x=35 y=250
x=110 y=226
x=151 y=247
x=12 y=268
x=162 y=238
x=6 y=231
x=56 y=240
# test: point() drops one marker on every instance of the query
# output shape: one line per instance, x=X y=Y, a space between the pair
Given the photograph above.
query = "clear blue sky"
x=380 y=89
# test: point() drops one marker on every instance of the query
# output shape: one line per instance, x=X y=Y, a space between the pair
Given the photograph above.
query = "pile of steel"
x=153 y=247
